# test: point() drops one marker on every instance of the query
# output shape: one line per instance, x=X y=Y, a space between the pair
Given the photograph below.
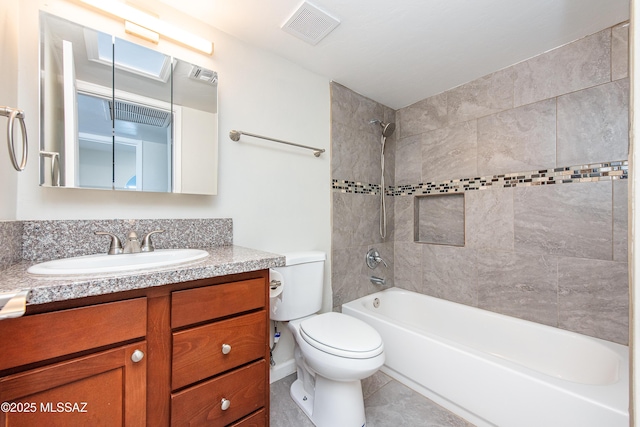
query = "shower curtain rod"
x=235 y=136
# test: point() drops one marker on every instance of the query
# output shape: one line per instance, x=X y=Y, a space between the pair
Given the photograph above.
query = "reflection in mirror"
x=195 y=118
x=141 y=111
x=116 y=115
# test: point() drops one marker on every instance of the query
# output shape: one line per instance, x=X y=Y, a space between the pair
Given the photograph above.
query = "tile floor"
x=387 y=402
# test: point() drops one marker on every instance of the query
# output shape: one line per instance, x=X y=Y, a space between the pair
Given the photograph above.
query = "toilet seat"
x=341 y=335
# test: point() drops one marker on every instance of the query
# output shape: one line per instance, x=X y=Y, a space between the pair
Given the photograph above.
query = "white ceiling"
x=400 y=51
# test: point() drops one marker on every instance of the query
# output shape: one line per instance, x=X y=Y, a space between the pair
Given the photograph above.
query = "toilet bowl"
x=338 y=347
x=333 y=351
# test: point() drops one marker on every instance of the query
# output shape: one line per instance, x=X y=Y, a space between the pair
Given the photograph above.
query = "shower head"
x=387 y=128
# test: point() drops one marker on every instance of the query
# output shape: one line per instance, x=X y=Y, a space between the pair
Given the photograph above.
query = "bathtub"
x=496 y=370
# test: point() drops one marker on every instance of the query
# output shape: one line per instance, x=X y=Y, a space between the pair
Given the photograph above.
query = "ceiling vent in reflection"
x=203 y=75
x=137 y=113
x=310 y=24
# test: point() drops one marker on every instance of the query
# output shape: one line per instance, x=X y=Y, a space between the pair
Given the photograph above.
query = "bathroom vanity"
x=181 y=346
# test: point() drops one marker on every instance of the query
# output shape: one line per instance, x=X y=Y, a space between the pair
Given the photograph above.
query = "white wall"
x=634 y=213
x=8 y=97
x=278 y=197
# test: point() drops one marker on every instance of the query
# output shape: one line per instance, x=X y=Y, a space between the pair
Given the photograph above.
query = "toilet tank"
x=302 y=284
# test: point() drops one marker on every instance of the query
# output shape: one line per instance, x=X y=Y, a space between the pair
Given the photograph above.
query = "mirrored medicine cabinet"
x=118 y=115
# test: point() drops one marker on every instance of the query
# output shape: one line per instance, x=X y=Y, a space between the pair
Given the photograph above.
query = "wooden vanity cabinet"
x=219 y=366
x=107 y=388
x=98 y=387
x=169 y=355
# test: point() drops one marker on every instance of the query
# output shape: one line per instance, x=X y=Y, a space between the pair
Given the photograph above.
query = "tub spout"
x=378 y=281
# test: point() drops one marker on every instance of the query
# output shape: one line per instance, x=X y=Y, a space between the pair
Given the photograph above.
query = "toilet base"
x=333 y=403
x=303 y=399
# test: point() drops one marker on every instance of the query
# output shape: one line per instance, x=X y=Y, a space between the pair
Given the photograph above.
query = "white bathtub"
x=496 y=370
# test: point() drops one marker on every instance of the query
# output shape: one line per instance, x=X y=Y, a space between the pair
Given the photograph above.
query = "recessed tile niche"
x=439 y=219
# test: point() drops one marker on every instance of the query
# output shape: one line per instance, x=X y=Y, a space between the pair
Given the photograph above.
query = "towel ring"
x=25 y=146
x=13 y=114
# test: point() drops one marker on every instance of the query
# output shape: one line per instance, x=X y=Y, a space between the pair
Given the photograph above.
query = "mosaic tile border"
x=606 y=171
x=356 y=187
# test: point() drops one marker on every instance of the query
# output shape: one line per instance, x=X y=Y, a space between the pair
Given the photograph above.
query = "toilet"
x=333 y=351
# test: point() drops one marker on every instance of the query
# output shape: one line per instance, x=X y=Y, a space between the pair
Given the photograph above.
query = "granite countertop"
x=222 y=260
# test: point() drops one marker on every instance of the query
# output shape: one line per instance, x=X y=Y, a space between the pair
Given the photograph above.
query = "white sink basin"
x=103 y=263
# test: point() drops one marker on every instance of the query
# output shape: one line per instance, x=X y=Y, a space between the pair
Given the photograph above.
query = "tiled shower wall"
x=538 y=150
x=548 y=243
x=355 y=162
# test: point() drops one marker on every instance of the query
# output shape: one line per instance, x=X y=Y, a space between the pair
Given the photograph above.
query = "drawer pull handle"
x=137 y=356
x=226 y=349
x=225 y=404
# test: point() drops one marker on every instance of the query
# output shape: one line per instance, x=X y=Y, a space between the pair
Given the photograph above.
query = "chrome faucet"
x=132 y=245
x=378 y=280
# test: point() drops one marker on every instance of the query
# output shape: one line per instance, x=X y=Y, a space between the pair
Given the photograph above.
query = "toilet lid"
x=341 y=335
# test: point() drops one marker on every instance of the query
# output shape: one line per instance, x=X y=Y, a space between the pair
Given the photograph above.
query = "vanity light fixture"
x=151 y=24
x=142 y=32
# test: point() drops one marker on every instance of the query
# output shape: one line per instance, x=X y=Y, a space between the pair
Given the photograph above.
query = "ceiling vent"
x=137 y=113
x=310 y=24
x=203 y=75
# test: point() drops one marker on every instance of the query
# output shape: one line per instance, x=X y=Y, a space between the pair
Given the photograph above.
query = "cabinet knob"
x=226 y=348
x=137 y=356
x=225 y=403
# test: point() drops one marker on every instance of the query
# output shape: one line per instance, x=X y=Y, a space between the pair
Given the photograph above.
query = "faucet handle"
x=116 y=245
x=373 y=258
x=147 y=244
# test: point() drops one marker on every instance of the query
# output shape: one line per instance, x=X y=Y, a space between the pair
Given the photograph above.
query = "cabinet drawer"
x=201 y=405
x=212 y=302
x=256 y=420
x=44 y=336
x=197 y=352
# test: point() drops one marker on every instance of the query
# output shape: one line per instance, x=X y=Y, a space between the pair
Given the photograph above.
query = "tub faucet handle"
x=373 y=258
